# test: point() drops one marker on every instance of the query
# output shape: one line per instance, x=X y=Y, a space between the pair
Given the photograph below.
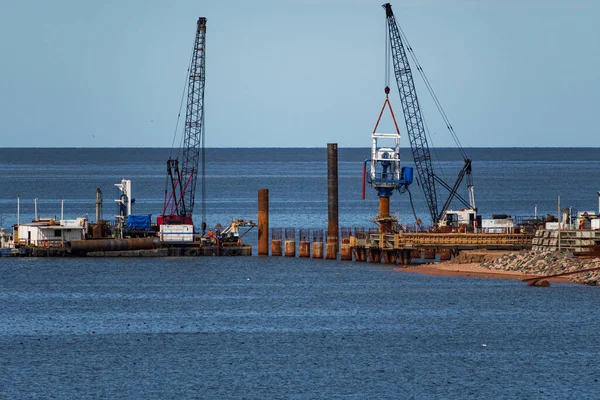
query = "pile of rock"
x=548 y=263
x=478 y=256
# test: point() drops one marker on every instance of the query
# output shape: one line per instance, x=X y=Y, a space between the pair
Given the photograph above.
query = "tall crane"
x=416 y=131
x=181 y=190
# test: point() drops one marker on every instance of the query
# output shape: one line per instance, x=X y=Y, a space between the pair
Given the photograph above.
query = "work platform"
x=402 y=247
x=461 y=241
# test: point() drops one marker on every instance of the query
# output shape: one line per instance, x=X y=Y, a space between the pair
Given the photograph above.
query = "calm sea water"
x=280 y=327
x=507 y=181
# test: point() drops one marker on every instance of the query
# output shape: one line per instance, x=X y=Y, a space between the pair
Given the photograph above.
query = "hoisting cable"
x=387 y=57
x=413 y=207
x=203 y=177
x=432 y=147
x=185 y=86
x=433 y=95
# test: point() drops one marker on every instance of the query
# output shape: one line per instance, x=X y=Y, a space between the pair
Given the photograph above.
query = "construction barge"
x=64 y=238
x=173 y=233
x=138 y=247
x=129 y=235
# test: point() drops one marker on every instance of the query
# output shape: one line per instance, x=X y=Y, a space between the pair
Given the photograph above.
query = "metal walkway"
x=453 y=241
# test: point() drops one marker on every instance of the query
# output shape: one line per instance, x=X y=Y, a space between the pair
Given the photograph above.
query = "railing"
x=409 y=240
x=371 y=238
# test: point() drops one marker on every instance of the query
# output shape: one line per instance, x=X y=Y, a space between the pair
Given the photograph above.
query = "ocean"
x=251 y=327
x=507 y=181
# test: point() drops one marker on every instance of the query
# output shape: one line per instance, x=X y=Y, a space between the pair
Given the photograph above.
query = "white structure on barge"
x=49 y=232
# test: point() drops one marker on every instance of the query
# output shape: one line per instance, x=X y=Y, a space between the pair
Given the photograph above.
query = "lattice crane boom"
x=415 y=127
x=194 y=118
x=412 y=114
x=179 y=204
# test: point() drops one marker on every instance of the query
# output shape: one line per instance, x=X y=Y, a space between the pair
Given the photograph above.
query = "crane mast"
x=416 y=131
x=179 y=205
x=412 y=113
x=194 y=117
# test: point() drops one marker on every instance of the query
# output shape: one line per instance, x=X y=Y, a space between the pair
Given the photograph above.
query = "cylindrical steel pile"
x=89 y=246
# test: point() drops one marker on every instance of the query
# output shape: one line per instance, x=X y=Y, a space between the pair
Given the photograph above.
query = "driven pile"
x=548 y=263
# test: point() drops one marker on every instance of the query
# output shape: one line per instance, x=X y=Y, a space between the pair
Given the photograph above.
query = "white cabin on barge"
x=49 y=232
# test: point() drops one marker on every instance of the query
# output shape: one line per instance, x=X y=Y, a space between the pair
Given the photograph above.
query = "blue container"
x=407 y=173
x=138 y=223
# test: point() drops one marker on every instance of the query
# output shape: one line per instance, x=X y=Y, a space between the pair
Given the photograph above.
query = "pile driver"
x=385 y=173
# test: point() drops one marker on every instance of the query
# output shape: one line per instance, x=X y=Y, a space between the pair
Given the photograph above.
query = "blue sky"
x=296 y=73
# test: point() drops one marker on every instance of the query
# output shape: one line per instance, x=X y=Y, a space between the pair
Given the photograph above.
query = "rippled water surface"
x=279 y=328
x=287 y=328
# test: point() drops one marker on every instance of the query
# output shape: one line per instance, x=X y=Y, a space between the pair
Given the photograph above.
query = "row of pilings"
x=399 y=256
x=311 y=243
x=309 y=239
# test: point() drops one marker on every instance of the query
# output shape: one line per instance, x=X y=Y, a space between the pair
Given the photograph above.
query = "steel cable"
x=432 y=93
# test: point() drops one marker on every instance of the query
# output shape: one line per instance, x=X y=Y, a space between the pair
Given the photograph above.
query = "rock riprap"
x=547 y=263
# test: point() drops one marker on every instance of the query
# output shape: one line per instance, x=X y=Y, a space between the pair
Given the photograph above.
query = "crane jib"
x=180 y=202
